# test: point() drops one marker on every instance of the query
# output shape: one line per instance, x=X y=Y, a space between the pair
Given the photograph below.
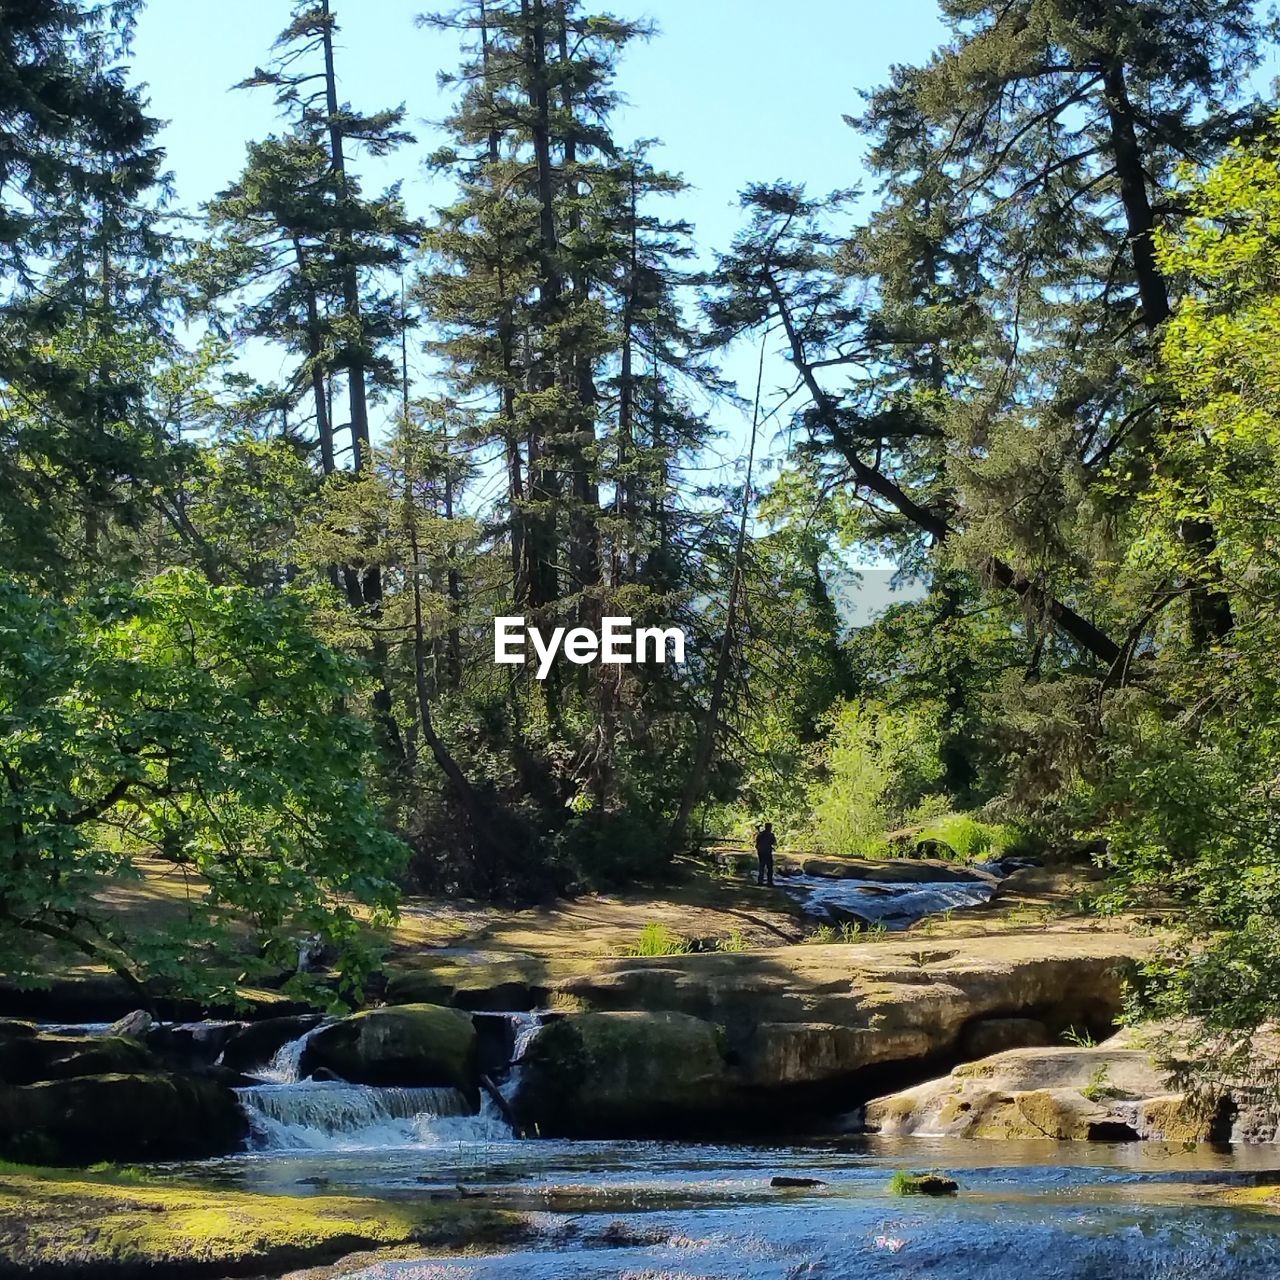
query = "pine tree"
x=553 y=300
x=81 y=319
x=1049 y=135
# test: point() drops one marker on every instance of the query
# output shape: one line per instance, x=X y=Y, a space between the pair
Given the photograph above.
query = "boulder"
x=191 y=1046
x=618 y=1073
x=923 y=1184
x=413 y=987
x=119 y=1117
x=1109 y=1093
x=135 y=1025
x=27 y=1059
x=411 y=1044
x=481 y=980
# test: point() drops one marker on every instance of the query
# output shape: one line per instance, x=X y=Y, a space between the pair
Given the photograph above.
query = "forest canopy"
x=246 y=622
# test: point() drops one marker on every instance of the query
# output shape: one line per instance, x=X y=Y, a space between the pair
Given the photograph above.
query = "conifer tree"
x=80 y=176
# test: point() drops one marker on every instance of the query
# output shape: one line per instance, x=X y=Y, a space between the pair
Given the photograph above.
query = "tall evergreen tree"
x=79 y=177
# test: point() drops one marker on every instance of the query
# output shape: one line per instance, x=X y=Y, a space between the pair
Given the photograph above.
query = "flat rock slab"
x=1107 y=1093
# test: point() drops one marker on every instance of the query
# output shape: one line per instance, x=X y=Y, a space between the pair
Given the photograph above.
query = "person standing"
x=766 y=843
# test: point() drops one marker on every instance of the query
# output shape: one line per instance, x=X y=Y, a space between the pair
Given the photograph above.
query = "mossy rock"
x=621 y=1073
x=491 y=981
x=29 y=1059
x=409 y=1044
x=923 y=1184
x=410 y=986
x=120 y=1117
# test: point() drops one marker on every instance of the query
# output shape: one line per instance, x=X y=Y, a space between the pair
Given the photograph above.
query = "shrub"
x=970 y=838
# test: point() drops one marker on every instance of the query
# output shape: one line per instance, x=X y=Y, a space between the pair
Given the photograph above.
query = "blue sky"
x=736 y=90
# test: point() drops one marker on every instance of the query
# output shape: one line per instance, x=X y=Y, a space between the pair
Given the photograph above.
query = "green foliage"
x=200 y=728
x=846 y=931
x=1190 y=780
x=1099 y=1087
x=971 y=839
x=1080 y=1038
x=878 y=766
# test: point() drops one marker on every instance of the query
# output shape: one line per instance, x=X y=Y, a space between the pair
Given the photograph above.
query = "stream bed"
x=675 y=1211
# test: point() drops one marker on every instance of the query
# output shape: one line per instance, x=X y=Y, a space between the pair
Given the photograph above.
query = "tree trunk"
x=360 y=442
x=584 y=534
x=544 y=486
x=1211 y=613
x=710 y=727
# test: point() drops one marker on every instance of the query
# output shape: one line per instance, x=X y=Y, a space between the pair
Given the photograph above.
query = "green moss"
x=101 y=1227
x=408 y=1044
x=921 y=1184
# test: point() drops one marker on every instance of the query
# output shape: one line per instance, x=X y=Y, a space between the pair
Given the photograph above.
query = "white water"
x=287 y=1113
x=894 y=905
x=285 y=1065
x=527 y=1026
x=330 y=1116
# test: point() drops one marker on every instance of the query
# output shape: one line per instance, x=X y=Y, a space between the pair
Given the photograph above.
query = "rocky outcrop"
x=119 y=1117
x=1110 y=1093
x=623 y=1073
x=821 y=1015
x=419 y=1044
x=28 y=1058
x=808 y=1025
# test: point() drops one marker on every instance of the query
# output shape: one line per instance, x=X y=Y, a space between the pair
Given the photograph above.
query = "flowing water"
x=684 y=1211
x=895 y=906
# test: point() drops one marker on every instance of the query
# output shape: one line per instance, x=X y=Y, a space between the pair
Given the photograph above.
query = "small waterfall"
x=284 y=1067
x=314 y=1115
x=287 y=1113
x=526 y=1026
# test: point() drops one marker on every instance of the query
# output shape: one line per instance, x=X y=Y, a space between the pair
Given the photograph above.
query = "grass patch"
x=846 y=931
x=1100 y=1087
x=103 y=1227
x=1079 y=1038
x=655 y=939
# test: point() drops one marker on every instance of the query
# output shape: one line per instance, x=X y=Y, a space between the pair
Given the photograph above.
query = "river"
x=685 y=1211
